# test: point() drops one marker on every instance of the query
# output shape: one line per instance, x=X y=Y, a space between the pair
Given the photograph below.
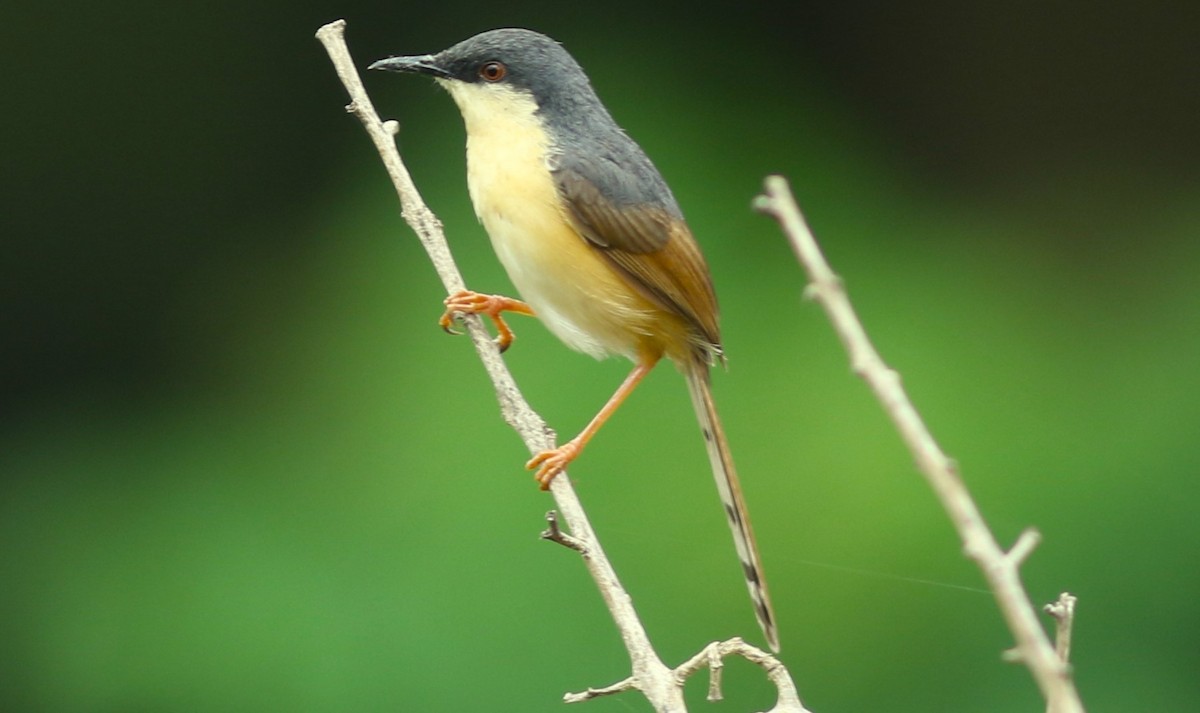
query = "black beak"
x=417 y=64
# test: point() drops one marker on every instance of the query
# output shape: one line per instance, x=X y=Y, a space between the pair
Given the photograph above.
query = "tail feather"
x=730 y=490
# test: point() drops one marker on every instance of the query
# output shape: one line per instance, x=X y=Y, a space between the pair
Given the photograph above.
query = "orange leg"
x=468 y=302
x=552 y=462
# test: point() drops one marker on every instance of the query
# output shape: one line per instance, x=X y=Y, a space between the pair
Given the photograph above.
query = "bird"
x=591 y=237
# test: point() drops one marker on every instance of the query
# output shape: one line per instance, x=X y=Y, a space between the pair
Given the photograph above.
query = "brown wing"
x=651 y=247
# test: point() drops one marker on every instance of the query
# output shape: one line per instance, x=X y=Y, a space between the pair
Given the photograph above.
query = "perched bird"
x=591 y=237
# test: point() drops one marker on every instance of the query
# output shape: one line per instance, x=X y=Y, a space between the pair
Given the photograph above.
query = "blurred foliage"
x=241 y=469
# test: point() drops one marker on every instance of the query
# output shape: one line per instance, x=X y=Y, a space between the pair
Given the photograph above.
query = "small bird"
x=591 y=237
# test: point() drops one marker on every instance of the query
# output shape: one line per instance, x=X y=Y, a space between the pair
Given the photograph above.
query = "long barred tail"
x=730 y=490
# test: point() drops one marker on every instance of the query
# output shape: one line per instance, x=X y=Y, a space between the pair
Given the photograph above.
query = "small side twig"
x=1000 y=568
x=716 y=666
x=554 y=533
x=1026 y=542
x=628 y=684
x=1063 y=612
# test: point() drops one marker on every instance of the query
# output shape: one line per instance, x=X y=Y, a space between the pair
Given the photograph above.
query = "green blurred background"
x=242 y=470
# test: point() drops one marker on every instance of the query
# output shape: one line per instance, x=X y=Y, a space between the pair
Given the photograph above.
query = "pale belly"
x=572 y=288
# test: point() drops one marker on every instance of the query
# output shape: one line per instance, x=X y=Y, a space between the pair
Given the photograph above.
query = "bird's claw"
x=549 y=464
x=468 y=302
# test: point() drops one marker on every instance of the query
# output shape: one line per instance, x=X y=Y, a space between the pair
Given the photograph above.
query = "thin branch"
x=999 y=568
x=659 y=684
x=628 y=684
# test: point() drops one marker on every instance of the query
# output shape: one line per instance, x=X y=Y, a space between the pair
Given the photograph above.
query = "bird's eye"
x=493 y=71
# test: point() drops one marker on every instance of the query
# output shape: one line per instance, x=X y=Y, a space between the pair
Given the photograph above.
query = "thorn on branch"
x=554 y=533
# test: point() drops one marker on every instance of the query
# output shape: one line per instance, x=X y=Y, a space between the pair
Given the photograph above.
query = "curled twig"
x=713 y=658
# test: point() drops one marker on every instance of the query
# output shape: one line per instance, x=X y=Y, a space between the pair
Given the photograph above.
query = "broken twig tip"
x=1026 y=543
x=554 y=533
x=337 y=27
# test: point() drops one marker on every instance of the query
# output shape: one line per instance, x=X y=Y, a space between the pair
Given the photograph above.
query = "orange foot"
x=468 y=302
x=552 y=462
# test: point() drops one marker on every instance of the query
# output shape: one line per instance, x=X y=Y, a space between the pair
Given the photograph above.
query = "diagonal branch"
x=658 y=683
x=1000 y=568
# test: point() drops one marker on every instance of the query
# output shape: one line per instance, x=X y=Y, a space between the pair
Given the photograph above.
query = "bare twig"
x=554 y=533
x=1026 y=542
x=1001 y=569
x=658 y=683
x=628 y=684
x=1063 y=611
